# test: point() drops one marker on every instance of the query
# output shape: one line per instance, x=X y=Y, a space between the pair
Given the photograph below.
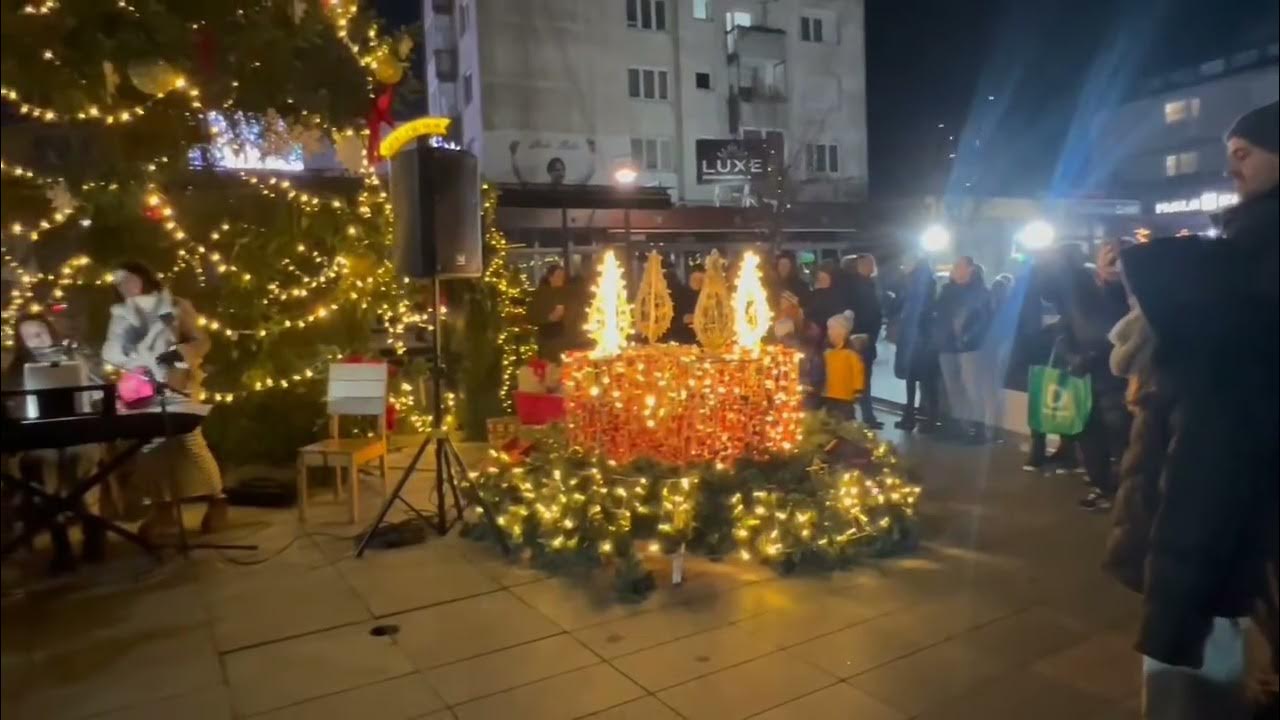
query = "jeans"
x=927 y=384
x=1216 y=690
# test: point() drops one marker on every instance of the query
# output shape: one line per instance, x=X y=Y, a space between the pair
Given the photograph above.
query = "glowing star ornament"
x=751 y=315
x=713 y=315
x=609 y=315
x=653 y=308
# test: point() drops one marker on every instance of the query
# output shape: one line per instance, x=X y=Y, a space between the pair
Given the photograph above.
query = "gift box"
x=539 y=376
x=539 y=408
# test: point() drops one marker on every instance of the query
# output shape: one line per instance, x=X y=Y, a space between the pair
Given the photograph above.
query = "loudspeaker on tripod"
x=435 y=198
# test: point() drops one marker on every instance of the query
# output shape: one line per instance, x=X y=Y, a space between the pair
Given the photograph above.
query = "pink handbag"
x=134 y=389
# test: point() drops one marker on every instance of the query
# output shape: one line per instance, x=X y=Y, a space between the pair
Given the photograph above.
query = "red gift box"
x=539 y=408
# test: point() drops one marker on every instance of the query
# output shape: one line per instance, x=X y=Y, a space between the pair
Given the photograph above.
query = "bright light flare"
x=625 y=175
x=935 y=239
x=1037 y=235
x=751 y=315
x=609 y=316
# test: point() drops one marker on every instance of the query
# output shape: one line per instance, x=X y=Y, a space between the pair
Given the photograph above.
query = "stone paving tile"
x=1104 y=665
x=570 y=695
x=925 y=679
x=746 y=689
x=1016 y=640
x=291 y=605
x=392 y=586
x=402 y=698
x=455 y=631
x=505 y=669
x=800 y=622
x=831 y=703
x=647 y=629
x=291 y=671
x=646 y=708
x=115 y=668
x=856 y=649
x=675 y=662
x=212 y=703
x=1025 y=695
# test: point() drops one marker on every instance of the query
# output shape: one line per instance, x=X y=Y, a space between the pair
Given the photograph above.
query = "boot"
x=216 y=516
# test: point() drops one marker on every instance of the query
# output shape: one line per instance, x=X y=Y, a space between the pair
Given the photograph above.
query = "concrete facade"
x=553 y=80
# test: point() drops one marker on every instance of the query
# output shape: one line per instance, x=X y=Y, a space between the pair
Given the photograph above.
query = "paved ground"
x=1003 y=614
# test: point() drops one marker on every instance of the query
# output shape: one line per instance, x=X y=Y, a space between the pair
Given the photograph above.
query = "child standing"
x=843 y=370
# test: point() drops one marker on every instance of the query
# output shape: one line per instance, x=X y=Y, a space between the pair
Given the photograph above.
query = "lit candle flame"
x=609 y=316
x=751 y=315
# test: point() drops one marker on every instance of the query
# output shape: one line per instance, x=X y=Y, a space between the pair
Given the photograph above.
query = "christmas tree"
x=156 y=130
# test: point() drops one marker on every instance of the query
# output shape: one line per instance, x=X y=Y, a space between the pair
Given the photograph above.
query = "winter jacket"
x=916 y=355
x=685 y=301
x=962 y=318
x=868 y=318
x=1150 y=400
x=144 y=327
x=554 y=337
x=823 y=304
x=1212 y=548
x=1089 y=309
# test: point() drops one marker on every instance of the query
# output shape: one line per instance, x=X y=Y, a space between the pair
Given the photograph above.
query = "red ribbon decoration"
x=379 y=113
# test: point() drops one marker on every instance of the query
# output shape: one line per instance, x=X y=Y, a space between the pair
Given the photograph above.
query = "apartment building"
x=713 y=100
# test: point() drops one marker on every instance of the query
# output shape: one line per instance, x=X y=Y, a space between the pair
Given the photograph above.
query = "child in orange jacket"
x=843 y=373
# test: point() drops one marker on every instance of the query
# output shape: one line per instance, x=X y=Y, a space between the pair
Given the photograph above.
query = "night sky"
x=1046 y=65
x=1014 y=81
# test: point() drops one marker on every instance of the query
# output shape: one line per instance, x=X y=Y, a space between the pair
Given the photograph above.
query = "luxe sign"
x=724 y=161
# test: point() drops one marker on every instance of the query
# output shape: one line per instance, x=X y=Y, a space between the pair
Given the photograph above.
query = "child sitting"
x=843 y=373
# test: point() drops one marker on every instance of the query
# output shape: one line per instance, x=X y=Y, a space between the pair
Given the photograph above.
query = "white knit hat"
x=843 y=320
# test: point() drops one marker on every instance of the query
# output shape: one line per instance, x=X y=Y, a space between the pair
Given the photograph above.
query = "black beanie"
x=1260 y=127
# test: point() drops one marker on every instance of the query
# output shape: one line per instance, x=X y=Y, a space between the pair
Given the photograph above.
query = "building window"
x=651 y=154
x=447 y=65
x=647 y=14
x=1184 y=163
x=702 y=80
x=776 y=140
x=442 y=7
x=1175 y=111
x=702 y=9
x=822 y=159
x=467 y=91
x=464 y=18
x=817 y=28
x=736 y=19
x=647 y=83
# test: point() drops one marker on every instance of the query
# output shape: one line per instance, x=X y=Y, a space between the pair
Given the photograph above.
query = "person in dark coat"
x=685 y=299
x=1092 y=301
x=1036 y=286
x=915 y=359
x=1201 y=538
x=868 y=320
x=548 y=308
x=827 y=299
x=786 y=278
x=961 y=321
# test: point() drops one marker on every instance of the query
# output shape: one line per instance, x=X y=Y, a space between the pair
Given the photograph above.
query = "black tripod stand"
x=450 y=469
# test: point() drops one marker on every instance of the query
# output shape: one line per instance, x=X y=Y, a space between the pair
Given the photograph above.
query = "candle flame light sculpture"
x=680 y=403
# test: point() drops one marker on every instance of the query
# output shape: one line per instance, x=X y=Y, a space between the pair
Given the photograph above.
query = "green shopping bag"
x=1058 y=403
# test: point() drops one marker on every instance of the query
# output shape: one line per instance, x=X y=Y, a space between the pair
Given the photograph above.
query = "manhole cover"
x=384 y=630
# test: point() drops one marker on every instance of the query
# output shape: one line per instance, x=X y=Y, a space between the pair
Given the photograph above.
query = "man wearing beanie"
x=1211 y=524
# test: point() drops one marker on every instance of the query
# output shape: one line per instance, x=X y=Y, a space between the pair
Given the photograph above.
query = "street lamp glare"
x=1037 y=235
x=625 y=175
x=935 y=238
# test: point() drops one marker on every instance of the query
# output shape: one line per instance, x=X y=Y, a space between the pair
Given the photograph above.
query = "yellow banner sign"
x=398 y=138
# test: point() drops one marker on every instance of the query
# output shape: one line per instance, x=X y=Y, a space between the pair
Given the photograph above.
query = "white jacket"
x=143 y=327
